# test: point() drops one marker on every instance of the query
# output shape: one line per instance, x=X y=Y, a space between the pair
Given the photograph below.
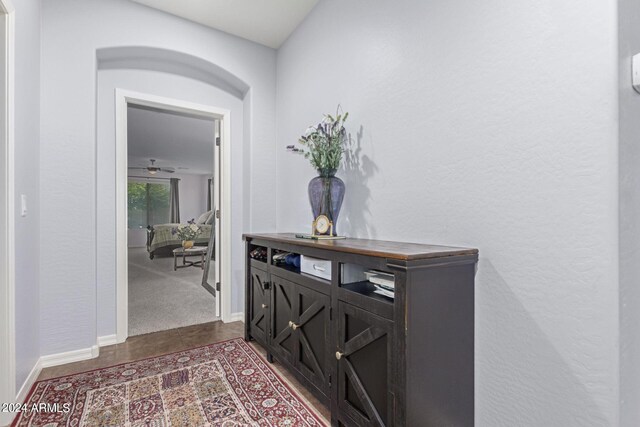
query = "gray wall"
x=193 y=196
x=27 y=171
x=487 y=124
x=629 y=106
x=72 y=31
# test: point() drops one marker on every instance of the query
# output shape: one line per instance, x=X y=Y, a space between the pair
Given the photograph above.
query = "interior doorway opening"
x=171 y=248
x=171 y=177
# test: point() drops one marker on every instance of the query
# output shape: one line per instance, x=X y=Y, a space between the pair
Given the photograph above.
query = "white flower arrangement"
x=324 y=143
x=188 y=231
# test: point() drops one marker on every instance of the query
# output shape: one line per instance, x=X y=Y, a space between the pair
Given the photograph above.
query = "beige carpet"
x=161 y=299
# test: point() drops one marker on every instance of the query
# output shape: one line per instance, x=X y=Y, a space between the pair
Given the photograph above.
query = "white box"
x=316 y=267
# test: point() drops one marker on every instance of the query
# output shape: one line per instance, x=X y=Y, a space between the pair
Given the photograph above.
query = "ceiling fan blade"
x=167 y=170
x=137 y=167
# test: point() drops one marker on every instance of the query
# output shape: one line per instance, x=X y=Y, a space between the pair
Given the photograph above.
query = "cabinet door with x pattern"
x=281 y=336
x=258 y=307
x=365 y=380
x=311 y=325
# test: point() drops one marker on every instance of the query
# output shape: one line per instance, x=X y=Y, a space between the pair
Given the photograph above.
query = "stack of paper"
x=384 y=292
x=384 y=282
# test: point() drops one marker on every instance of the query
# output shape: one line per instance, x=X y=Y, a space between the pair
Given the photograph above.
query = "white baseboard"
x=46 y=362
x=237 y=317
x=106 y=340
x=69 y=357
x=56 y=360
x=28 y=383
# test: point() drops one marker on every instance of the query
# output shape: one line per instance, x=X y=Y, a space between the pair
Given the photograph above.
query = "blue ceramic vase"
x=326 y=193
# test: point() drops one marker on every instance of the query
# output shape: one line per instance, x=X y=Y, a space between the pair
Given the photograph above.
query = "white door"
x=216 y=222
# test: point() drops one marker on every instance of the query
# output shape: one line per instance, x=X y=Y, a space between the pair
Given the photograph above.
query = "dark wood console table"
x=375 y=361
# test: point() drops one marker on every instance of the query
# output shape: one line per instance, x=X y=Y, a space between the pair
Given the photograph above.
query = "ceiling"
x=180 y=141
x=268 y=22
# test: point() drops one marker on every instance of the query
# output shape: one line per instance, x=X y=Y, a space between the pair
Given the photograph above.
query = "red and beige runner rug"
x=224 y=384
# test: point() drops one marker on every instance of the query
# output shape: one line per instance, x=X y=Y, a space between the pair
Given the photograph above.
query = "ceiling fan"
x=152 y=169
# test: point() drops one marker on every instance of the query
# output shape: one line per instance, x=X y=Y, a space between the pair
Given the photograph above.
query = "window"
x=148 y=204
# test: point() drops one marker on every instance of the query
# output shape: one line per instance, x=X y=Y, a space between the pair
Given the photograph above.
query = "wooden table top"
x=376 y=248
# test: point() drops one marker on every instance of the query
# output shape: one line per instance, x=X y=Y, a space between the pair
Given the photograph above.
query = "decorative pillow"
x=203 y=218
x=210 y=219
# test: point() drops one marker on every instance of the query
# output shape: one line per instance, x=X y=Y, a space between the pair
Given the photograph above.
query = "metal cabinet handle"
x=339 y=355
x=264 y=305
x=293 y=325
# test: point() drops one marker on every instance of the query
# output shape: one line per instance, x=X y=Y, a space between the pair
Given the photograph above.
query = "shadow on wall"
x=521 y=379
x=357 y=170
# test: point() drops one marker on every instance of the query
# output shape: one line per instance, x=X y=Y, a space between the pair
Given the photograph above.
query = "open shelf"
x=281 y=262
x=355 y=289
x=360 y=294
x=294 y=274
x=367 y=289
x=253 y=251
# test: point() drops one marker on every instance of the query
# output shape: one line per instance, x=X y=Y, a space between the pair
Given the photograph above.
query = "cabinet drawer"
x=316 y=267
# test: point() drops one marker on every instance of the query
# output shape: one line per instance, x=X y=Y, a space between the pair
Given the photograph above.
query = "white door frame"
x=7 y=212
x=223 y=239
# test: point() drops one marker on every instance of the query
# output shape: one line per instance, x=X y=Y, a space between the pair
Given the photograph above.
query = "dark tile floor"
x=158 y=343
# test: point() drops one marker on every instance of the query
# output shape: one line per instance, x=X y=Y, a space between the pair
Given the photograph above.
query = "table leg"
x=175 y=262
x=202 y=261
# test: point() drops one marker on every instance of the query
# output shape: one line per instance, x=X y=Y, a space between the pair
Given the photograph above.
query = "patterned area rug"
x=223 y=384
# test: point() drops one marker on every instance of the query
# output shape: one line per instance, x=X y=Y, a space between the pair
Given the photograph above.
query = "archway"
x=194 y=68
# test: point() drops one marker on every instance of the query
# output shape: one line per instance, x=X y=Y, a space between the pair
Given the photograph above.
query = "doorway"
x=171 y=177
x=154 y=180
x=7 y=247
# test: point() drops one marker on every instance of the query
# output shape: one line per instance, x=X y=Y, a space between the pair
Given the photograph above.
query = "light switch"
x=23 y=205
x=635 y=71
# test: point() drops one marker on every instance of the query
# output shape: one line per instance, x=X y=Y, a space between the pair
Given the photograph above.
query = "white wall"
x=74 y=267
x=629 y=105
x=27 y=166
x=136 y=238
x=485 y=124
x=193 y=203
x=193 y=196
x=175 y=87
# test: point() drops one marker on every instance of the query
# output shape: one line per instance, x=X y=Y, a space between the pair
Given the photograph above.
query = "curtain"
x=209 y=190
x=174 y=198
